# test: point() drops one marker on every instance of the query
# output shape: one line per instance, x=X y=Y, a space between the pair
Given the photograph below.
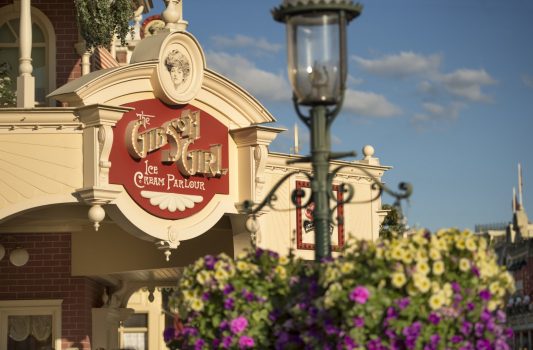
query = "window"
x=42 y=53
x=30 y=324
x=134 y=332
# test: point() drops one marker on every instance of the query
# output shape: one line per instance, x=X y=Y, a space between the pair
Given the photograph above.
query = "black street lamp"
x=316 y=43
x=316 y=35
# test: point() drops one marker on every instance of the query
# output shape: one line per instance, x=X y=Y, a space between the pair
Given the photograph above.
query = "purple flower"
x=457 y=339
x=434 y=318
x=349 y=344
x=509 y=333
x=199 y=344
x=228 y=304
x=359 y=294
x=435 y=340
x=470 y=306
x=403 y=303
x=501 y=344
x=224 y=325
x=485 y=294
x=209 y=262
x=205 y=296
x=226 y=342
x=249 y=296
x=466 y=328
x=483 y=344
x=374 y=344
x=475 y=271
x=358 y=322
x=478 y=329
x=485 y=315
x=456 y=287
x=238 y=325
x=228 y=289
x=246 y=342
x=501 y=316
x=170 y=333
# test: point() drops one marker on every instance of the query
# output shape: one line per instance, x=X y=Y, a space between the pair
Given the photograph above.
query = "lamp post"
x=316 y=36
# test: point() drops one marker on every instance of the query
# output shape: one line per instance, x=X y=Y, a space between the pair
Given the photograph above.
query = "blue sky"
x=443 y=90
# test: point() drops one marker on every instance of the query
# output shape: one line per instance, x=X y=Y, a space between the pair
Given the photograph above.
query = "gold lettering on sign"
x=179 y=134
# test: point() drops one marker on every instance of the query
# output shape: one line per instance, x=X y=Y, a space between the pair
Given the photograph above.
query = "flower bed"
x=425 y=291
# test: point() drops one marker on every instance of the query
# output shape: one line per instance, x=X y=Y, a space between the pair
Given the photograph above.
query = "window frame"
x=12 y=11
x=49 y=307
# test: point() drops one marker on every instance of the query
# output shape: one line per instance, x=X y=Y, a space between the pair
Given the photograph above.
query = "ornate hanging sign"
x=172 y=160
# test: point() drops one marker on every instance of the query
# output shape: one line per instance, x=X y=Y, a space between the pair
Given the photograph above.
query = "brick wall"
x=47 y=276
x=62 y=14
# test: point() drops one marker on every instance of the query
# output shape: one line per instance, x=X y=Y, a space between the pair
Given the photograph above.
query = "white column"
x=25 y=81
x=85 y=55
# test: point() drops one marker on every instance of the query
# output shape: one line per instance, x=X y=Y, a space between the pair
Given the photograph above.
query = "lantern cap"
x=294 y=7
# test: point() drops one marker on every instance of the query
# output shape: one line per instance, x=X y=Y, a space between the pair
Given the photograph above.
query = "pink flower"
x=246 y=342
x=359 y=294
x=238 y=325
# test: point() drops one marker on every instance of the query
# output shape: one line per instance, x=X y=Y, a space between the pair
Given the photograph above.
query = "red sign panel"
x=305 y=228
x=171 y=160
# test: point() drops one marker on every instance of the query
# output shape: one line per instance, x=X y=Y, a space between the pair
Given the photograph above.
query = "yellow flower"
x=464 y=264
x=422 y=267
x=493 y=305
x=471 y=244
x=398 y=279
x=421 y=282
x=438 y=268
x=460 y=243
x=482 y=244
x=447 y=290
x=243 y=266
x=435 y=287
x=347 y=267
x=202 y=277
x=397 y=253
x=197 y=304
x=407 y=256
x=421 y=254
x=283 y=260
x=280 y=271
x=436 y=301
x=221 y=274
x=434 y=254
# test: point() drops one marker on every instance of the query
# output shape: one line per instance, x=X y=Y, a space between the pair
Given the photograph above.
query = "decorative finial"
x=96 y=215
x=173 y=16
x=368 y=152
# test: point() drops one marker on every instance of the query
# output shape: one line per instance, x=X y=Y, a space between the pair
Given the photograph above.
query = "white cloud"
x=243 y=41
x=467 y=83
x=369 y=104
x=260 y=83
x=528 y=80
x=401 y=65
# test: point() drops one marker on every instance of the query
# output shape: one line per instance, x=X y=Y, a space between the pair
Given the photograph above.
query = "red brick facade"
x=62 y=14
x=47 y=276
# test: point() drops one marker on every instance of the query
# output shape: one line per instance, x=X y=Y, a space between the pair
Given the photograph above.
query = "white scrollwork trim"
x=260 y=158
x=105 y=141
x=172 y=201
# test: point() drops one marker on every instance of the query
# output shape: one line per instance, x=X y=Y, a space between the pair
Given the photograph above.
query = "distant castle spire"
x=520 y=219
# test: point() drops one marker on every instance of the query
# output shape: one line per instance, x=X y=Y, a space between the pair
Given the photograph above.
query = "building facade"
x=113 y=180
x=513 y=244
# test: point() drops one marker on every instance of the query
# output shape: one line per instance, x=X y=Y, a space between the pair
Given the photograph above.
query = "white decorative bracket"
x=172 y=242
x=98 y=121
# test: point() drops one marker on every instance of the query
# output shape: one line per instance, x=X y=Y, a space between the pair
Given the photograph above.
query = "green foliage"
x=7 y=95
x=99 y=20
x=393 y=224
